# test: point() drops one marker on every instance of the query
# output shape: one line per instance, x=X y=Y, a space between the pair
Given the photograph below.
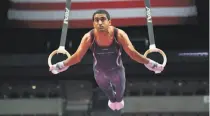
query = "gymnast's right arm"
x=81 y=51
x=75 y=58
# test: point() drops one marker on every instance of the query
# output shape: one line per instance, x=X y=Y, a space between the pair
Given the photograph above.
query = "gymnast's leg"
x=118 y=81
x=105 y=85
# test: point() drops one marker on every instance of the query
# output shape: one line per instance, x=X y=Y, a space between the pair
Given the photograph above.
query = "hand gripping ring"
x=63 y=51
x=159 y=51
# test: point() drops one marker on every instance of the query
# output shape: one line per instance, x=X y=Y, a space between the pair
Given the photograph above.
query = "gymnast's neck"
x=107 y=33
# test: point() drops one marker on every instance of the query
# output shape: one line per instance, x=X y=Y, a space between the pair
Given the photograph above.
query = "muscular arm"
x=82 y=49
x=129 y=48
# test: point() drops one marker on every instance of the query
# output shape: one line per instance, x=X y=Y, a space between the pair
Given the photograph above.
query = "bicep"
x=130 y=50
x=84 y=46
x=125 y=42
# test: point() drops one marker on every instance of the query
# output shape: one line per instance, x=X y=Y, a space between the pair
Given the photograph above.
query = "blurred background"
x=31 y=30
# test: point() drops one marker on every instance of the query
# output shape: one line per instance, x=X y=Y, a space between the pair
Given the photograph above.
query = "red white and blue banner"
x=50 y=13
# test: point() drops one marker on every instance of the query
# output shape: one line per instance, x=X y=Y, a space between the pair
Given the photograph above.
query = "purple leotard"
x=108 y=68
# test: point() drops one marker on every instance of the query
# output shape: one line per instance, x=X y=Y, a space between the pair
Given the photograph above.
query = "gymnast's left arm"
x=135 y=55
x=128 y=47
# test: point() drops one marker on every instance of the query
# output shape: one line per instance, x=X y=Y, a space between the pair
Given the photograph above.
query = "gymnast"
x=106 y=41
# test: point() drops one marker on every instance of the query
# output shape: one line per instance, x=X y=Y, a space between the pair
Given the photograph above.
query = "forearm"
x=74 y=59
x=139 y=57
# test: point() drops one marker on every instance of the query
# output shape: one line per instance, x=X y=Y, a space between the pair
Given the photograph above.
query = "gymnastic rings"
x=62 y=50
x=159 y=51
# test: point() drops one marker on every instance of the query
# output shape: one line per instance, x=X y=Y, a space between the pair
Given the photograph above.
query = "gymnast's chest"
x=105 y=46
x=105 y=50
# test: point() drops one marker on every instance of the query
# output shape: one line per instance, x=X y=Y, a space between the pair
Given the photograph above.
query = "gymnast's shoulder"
x=121 y=33
x=87 y=38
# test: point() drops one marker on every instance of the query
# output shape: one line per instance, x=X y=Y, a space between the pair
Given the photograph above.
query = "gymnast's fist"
x=154 y=66
x=58 y=67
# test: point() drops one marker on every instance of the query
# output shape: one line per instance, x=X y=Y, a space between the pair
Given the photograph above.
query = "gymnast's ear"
x=110 y=22
x=94 y=24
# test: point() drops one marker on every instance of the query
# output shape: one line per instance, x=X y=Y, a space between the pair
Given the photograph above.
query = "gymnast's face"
x=101 y=22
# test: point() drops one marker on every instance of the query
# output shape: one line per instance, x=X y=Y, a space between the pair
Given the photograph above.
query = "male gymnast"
x=105 y=41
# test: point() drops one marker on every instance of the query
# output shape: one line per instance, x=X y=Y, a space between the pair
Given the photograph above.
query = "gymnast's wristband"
x=151 y=64
x=60 y=65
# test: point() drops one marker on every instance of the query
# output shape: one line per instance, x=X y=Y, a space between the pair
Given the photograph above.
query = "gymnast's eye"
x=96 y=19
x=101 y=18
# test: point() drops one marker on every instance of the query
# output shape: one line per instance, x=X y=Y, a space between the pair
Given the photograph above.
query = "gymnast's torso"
x=106 y=58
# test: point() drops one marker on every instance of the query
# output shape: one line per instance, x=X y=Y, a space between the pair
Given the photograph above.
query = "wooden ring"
x=159 y=51
x=56 y=52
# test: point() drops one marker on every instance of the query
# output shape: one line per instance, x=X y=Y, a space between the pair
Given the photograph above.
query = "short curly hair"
x=101 y=12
